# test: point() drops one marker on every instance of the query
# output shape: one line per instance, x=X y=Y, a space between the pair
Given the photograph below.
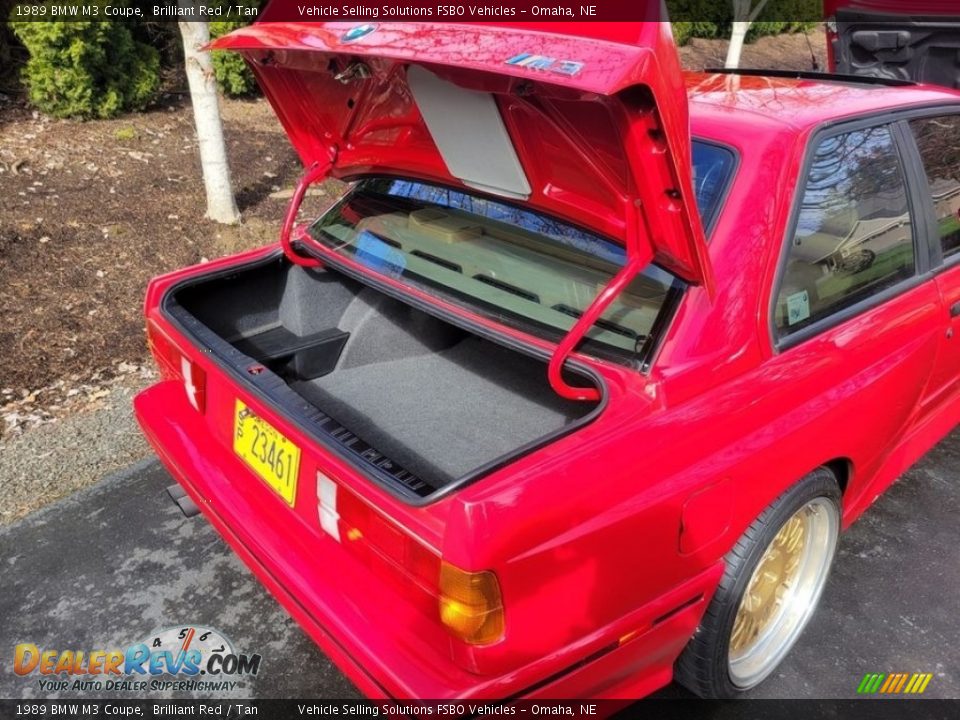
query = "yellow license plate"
x=268 y=453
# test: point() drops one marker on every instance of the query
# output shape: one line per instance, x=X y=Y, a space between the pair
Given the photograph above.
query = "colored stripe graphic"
x=894 y=683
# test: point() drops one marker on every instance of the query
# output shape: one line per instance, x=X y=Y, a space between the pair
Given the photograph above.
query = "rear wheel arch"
x=842 y=469
x=745 y=510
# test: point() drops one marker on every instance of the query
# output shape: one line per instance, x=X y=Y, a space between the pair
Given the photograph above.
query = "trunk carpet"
x=444 y=414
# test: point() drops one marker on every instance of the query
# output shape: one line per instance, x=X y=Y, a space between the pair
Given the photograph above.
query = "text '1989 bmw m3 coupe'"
x=573 y=391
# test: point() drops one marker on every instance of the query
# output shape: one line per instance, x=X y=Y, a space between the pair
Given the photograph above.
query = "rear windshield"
x=520 y=267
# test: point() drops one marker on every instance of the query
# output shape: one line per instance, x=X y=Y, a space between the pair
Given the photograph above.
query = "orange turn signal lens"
x=470 y=604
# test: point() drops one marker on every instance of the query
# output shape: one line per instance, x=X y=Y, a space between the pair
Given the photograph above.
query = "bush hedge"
x=714 y=18
x=87 y=69
x=233 y=75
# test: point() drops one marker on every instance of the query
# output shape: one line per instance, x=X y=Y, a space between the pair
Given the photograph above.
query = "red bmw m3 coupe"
x=575 y=388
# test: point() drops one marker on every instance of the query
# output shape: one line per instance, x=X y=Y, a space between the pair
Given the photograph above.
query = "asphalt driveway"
x=111 y=565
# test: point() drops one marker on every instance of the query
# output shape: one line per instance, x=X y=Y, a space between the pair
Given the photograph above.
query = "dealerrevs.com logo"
x=196 y=658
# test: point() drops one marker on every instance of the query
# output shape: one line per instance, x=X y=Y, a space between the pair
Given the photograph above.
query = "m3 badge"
x=545 y=64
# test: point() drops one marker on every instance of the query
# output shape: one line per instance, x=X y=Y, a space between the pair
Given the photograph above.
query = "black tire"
x=704 y=665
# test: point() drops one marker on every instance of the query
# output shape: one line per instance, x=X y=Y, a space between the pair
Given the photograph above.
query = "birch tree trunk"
x=737 y=37
x=221 y=205
x=744 y=15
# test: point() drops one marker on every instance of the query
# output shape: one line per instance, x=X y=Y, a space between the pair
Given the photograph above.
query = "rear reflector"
x=327 y=506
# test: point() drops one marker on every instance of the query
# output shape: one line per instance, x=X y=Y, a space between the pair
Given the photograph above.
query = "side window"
x=854 y=236
x=939 y=142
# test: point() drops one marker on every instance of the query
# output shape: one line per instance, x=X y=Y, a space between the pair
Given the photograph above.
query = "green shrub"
x=713 y=18
x=87 y=69
x=683 y=31
x=12 y=55
x=233 y=75
x=761 y=28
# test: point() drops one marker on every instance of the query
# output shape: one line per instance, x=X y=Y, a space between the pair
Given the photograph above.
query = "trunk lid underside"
x=594 y=130
x=886 y=40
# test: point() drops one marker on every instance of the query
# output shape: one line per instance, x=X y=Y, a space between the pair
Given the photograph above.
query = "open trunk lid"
x=917 y=41
x=591 y=128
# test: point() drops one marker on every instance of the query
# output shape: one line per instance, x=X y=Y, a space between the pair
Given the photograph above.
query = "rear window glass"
x=516 y=265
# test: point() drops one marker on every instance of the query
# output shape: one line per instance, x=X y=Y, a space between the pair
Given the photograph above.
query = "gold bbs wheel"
x=782 y=592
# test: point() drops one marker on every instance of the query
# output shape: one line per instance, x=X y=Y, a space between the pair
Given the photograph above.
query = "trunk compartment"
x=427 y=402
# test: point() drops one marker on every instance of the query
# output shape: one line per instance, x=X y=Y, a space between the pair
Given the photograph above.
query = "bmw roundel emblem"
x=355 y=33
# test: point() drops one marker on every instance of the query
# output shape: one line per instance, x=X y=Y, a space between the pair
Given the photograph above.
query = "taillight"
x=470 y=604
x=175 y=365
x=164 y=353
x=375 y=538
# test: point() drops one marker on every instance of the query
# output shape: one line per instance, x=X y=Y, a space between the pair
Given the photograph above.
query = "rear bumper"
x=348 y=612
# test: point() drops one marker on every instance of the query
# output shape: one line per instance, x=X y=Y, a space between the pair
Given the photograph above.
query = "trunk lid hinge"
x=636 y=262
x=315 y=173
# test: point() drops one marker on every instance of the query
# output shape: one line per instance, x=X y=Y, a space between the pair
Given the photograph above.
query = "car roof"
x=800 y=104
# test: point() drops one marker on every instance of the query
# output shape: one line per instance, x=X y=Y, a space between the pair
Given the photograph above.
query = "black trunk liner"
x=445 y=414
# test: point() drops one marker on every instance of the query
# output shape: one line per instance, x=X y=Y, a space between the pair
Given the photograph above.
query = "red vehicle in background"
x=573 y=390
x=917 y=40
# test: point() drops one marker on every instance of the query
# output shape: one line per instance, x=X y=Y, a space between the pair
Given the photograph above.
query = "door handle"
x=955 y=310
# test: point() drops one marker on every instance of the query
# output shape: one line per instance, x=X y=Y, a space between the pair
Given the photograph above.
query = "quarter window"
x=854 y=235
x=939 y=142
